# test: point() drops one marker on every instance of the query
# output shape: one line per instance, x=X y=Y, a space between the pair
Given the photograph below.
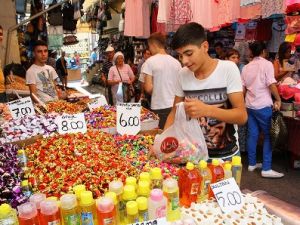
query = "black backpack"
x=68 y=17
x=55 y=17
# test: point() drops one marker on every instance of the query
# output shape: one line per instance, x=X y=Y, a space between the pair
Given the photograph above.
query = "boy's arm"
x=237 y=115
x=148 y=85
x=171 y=117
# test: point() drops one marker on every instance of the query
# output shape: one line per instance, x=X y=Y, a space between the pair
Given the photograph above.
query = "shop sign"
x=21 y=107
x=128 y=118
x=71 y=123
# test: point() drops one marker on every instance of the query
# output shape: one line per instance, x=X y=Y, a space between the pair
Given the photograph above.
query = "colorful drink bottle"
x=206 y=180
x=28 y=214
x=117 y=187
x=145 y=176
x=217 y=173
x=132 y=212
x=157 y=204
x=69 y=209
x=143 y=189
x=143 y=208
x=26 y=188
x=106 y=212
x=87 y=209
x=36 y=199
x=237 y=169
x=227 y=170
x=50 y=213
x=171 y=192
x=189 y=180
x=8 y=215
x=131 y=181
x=78 y=189
x=156 y=178
x=113 y=197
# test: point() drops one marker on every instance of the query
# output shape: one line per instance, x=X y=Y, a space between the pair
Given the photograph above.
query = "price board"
x=21 y=107
x=158 y=221
x=71 y=123
x=97 y=102
x=128 y=118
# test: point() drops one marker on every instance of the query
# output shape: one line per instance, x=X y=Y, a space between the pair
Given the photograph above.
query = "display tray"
x=26 y=142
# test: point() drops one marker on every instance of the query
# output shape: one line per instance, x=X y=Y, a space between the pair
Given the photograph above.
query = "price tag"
x=159 y=221
x=21 y=107
x=97 y=102
x=71 y=123
x=228 y=195
x=128 y=118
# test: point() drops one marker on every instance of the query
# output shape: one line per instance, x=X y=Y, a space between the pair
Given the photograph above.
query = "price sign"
x=97 y=102
x=71 y=123
x=21 y=107
x=159 y=221
x=228 y=195
x=129 y=118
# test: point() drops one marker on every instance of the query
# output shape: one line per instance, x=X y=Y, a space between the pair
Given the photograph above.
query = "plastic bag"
x=182 y=142
x=278 y=131
x=119 y=94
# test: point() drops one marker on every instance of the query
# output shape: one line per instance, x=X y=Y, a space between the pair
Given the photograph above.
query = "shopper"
x=212 y=92
x=259 y=82
x=2 y=79
x=145 y=97
x=93 y=57
x=108 y=63
x=41 y=78
x=233 y=55
x=146 y=54
x=52 y=59
x=119 y=73
x=61 y=68
x=284 y=54
x=161 y=71
x=219 y=49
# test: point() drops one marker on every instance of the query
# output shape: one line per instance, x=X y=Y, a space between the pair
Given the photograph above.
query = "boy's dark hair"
x=231 y=52
x=257 y=48
x=158 y=38
x=283 y=49
x=190 y=33
x=219 y=44
x=39 y=43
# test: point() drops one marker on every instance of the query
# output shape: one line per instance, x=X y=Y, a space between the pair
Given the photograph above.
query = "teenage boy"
x=212 y=92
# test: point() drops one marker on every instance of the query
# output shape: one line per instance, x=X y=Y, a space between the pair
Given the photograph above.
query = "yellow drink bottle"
x=8 y=215
x=227 y=171
x=143 y=208
x=171 y=192
x=132 y=212
x=143 y=189
x=237 y=169
x=145 y=176
x=117 y=187
x=69 y=209
x=156 y=178
x=131 y=181
x=77 y=190
x=206 y=180
x=87 y=209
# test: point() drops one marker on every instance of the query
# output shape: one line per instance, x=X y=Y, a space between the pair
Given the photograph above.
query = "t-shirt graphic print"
x=47 y=83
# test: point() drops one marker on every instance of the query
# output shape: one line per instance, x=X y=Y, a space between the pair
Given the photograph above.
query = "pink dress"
x=269 y=8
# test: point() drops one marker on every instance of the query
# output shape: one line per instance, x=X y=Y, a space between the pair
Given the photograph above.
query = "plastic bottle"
x=22 y=159
x=131 y=181
x=171 y=192
x=50 y=213
x=145 y=176
x=113 y=196
x=106 y=212
x=87 y=208
x=143 y=208
x=227 y=170
x=189 y=180
x=206 y=180
x=8 y=215
x=217 y=173
x=132 y=212
x=129 y=193
x=36 y=199
x=26 y=188
x=69 y=209
x=28 y=214
x=117 y=187
x=156 y=178
x=78 y=189
x=143 y=189
x=157 y=204
x=237 y=169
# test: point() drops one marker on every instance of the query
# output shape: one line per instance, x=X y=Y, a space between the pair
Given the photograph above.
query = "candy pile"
x=62 y=106
x=27 y=127
x=10 y=176
x=209 y=212
x=4 y=113
x=17 y=83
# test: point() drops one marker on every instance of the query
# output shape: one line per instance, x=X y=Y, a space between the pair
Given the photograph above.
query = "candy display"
x=27 y=127
x=62 y=106
x=4 y=113
x=10 y=176
x=17 y=83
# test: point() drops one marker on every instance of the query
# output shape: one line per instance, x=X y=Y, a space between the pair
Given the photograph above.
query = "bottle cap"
x=68 y=201
x=37 y=198
x=113 y=196
x=86 y=198
x=78 y=189
x=129 y=193
x=27 y=210
x=116 y=186
x=53 y=198
x=131 y=181
x=227 y=166
x=21 y=152
x=236 y=161
x=155 y=174
x=132 y=208
x=202 y=164
x=105 y=204
x=24 y=183
x=142 y=203
x=143 y=188
x=190 y=166
x=215 y=162
x=156 y=195
x=170 y=185
x=5 y=209
x=49 y=207
x=145 y=176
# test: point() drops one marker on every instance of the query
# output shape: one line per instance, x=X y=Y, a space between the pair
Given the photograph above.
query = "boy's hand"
x=195 y=108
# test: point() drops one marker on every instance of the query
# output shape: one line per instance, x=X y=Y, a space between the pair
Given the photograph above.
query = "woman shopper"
x=259 y=82
x=119 y=73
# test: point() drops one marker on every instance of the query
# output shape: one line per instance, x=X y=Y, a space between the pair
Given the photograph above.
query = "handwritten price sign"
x=21 y=107
x=97 y=102
x=128 y=118
x=71 y=123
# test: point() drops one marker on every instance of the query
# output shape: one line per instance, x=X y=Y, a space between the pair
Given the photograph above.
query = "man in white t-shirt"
x=212 y=92
x=41 y=78
x=161 y=74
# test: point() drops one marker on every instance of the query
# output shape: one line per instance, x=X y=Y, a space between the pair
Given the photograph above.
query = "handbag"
x=278 y=131
x=128 y=89
x=70 y=40
x=55 y=17
x=55 y=37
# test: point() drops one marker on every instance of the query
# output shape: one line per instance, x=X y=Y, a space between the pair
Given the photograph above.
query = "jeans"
x=259 y=120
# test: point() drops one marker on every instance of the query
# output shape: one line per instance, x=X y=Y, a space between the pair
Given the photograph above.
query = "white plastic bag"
x=119 y=94
x=182 y=142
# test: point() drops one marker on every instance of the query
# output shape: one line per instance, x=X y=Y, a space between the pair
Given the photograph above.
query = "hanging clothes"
x=264 y=30
x=271 y=7
x=154 y=12
x=180 y=14
x=164 y=8
x=292 y=6
x=278 y=35
x=240 y=32
x=250 y=12
x=249 y=2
